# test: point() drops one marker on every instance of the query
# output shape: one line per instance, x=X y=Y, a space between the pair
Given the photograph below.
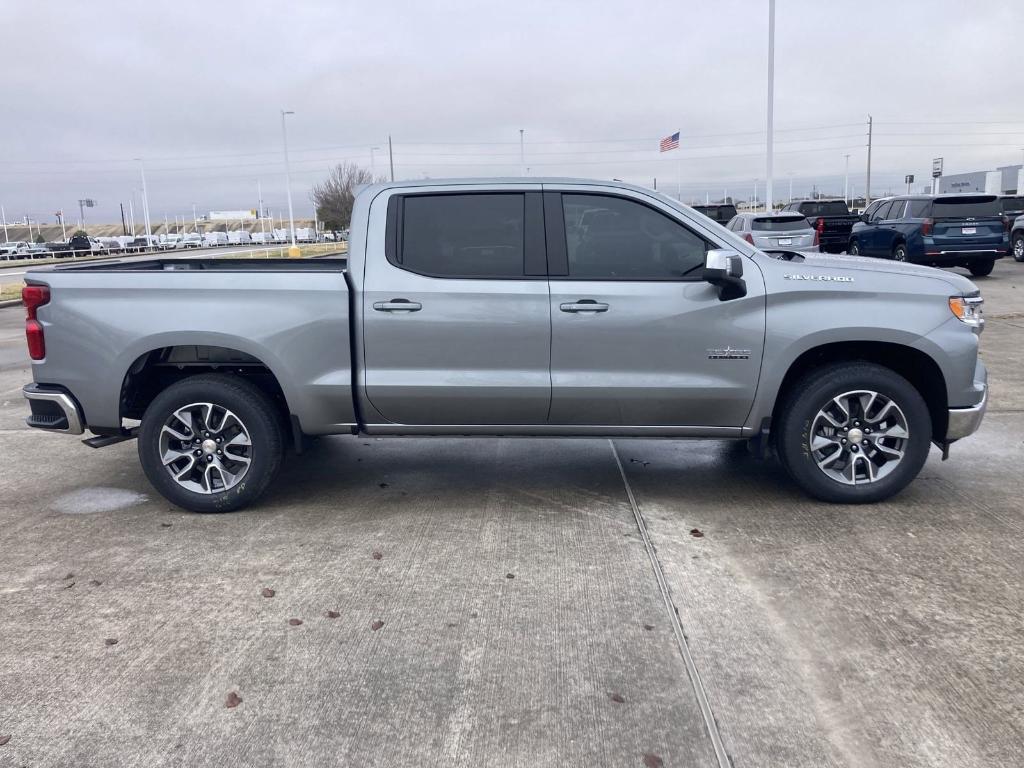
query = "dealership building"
x=1006 y=180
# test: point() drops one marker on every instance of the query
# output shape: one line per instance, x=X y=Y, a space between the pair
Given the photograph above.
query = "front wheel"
x=853 y=433
x=211 y=443
x=854 y=249
x=982 y=267
x=1018 y=246
x=899 y=252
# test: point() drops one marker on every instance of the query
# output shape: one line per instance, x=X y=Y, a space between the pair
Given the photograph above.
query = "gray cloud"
x=195 y=89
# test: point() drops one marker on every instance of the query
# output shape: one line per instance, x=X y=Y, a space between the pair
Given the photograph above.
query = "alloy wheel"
x=205 y=448
x=859 y=437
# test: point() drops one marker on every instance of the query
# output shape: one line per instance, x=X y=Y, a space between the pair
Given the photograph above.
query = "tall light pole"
x=522 y=154
x=846 y=182
x=867 y=185
x=145 y=203
x=3 y=215
x=373 y=165
x=768 y=201
x=293 y=251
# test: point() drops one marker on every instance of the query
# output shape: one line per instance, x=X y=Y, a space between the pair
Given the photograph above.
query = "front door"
x=456 y=324
x=638 y=338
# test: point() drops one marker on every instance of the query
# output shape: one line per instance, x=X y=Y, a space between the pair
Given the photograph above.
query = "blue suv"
x=941 y=231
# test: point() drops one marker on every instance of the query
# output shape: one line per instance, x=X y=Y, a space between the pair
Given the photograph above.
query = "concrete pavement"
x=523 y=622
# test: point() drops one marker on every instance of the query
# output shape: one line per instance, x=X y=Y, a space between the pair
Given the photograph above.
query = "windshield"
x=824 y=208
x=779 y=223
x=958 y=207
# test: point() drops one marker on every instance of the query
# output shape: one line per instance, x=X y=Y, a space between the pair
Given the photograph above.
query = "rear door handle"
x=398 y=305
x=584 y=305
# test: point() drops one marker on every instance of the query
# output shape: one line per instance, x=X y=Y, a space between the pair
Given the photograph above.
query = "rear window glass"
x=779 y=224
x=1012 y=204
x=464 y=235
x=965 y=206
x=824 y=208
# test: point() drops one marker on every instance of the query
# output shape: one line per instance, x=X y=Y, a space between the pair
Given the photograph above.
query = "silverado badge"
x=728 y=353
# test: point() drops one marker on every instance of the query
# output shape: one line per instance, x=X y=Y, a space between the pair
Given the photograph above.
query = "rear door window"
x=779 y=223
x=896 y=210
x=471 y=235
x=613 y=238
x=961 y=207
x=881 y=212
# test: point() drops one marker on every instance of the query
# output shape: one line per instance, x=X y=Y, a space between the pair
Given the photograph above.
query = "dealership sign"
x=936 y=167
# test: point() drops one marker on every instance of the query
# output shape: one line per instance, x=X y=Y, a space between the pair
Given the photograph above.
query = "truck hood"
x=958 y=283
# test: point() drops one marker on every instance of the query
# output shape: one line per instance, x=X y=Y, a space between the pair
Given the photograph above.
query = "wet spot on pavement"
x=87 y=501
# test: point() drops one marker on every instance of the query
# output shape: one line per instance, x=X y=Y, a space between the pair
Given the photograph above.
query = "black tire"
x=253 y=408
x=1018 y=246
x=812 y=393
x=854 y=249
x=899 y=252
x=982 y=267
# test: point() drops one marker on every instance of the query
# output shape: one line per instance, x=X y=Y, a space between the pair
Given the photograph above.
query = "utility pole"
x=522 y=154
x=867 y=187
x=846 y=182
x=791 y=187
x=195 y=220
x=768 y=199
x=391 y=158
x=63 y=232
x=124 y=225
x=293 y=251
x=131 y=214
x=3 y=215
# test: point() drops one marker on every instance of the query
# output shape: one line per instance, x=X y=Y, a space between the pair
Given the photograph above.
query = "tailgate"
x=966 y=232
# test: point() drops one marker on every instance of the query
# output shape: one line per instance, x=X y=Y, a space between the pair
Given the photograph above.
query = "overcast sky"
x=196 y=89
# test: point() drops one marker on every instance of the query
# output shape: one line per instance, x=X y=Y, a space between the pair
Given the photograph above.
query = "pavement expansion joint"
x=684 y=649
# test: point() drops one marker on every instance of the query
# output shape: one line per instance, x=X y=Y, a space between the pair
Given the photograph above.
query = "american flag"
x=670 y=142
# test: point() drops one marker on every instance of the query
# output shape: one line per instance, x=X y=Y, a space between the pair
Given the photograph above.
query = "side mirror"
x=724 y=269
x=864 y=217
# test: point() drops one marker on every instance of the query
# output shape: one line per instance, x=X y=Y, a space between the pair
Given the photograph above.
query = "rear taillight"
x=749 y=238
x=819 y=226
x=926 y=227
x=33 y=297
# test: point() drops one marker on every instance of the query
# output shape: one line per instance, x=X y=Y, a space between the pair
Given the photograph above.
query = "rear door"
x=968 y=223
x=888 y=229
x=638 y=338
x=456 y=319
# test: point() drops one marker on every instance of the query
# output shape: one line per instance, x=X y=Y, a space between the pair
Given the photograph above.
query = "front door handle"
x=398 y=305
x=584 y=305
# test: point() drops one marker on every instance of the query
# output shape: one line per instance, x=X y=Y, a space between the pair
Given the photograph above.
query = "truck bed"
x=291 y=316
x=337 y=264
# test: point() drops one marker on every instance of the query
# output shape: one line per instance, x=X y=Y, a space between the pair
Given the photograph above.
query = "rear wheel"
x=853 y=433
x=982 y=267
x=854 y=249
x=899 y=252
x=1018 y=246
x=211 y=443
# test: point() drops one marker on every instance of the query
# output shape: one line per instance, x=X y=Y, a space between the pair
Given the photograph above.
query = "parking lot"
x=516 y=602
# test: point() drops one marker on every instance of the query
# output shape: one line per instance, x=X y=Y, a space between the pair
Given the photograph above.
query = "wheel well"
x=912 y=364
x=158 y=369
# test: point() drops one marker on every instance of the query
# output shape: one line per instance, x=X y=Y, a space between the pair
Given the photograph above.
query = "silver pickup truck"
x=542 y=307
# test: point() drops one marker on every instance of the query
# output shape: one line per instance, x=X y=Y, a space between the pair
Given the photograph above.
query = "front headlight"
x=968 y=309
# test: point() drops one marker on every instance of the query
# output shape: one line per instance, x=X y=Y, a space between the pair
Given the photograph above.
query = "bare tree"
x=333 y=197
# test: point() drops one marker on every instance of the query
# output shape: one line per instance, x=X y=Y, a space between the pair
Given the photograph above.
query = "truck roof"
x=507 y=181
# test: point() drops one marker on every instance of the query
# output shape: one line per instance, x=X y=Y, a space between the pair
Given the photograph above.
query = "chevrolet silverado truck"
x=525 y=307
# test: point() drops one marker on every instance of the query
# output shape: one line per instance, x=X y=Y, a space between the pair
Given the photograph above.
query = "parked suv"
x=776 y=231
x=941 y=231
x=1017 y=239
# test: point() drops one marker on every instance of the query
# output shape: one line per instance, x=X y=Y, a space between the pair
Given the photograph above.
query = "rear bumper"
x=965 y=421
x=53 y=409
